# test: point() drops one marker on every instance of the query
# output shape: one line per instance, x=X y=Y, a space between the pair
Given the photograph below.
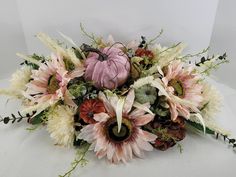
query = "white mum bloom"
x=61 y=125
x=210 y=106
x=211 y=103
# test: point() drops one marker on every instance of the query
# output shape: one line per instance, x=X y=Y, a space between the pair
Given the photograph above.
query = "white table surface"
x=32 y=154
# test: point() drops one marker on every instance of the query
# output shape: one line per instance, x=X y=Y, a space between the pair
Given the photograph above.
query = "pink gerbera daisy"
x=121 y=145
x=49 y=82
x=182 y=85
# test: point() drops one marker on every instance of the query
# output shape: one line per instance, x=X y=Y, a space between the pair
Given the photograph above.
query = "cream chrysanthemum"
x=211 y=103
x=210 y=106
x=60 y=125
x=18 y=82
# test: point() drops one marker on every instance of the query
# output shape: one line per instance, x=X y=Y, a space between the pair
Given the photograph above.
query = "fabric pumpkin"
x=106 y=68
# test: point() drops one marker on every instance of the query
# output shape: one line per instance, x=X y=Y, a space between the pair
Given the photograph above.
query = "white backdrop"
x=224 y=40
x=11 y=37
x=24 y=154
x=189 y=21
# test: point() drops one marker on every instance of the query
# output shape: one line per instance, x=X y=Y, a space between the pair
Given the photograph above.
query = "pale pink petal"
x=68 y=99
x=119 y=153
x=86 y=133
x=115 y=159
x=137 y=152
x=100 y=154
x=78 y=72
x=101 y=117
x=129 y=152
x=183 y=111
x=144 y=145
x=138 y=112
x=173 y=110
x=147 y=136
x=106 y=103
x=143 y=120
x=101 y=143
x=110 y=151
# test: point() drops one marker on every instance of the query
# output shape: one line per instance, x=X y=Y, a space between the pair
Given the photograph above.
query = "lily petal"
x=119 y=112
x=129 y=100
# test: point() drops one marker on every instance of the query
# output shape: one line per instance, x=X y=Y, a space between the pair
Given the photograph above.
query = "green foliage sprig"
x=199 y=54
x=17 y=118
x=79 y=159
x=199 y=127
x=231 y=141
x=42 y=59
x=211 y=63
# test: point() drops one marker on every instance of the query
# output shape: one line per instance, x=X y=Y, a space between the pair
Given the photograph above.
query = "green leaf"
x=200 y=127
x=38 y=119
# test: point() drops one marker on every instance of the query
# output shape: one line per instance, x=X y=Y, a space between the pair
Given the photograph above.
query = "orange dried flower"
x=140 y=52
x=90 y=107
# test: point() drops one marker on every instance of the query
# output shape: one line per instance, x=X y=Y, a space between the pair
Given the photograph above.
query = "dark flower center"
x=148 y=92
x=53 y=84
x=90 y=114
x=112 y=130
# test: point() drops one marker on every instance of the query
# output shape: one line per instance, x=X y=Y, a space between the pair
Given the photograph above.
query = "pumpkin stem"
x=88 y=48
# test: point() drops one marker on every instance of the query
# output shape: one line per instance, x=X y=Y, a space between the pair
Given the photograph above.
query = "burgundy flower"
x=90 y=107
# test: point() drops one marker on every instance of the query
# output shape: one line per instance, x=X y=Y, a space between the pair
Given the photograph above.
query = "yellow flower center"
x=53 y=84
x=178 y=87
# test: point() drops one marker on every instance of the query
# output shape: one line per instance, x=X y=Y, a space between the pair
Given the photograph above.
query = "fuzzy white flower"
x=18 y=82
x=210 y=106
x=211 y=103
x=20 y=78
x=61 y=125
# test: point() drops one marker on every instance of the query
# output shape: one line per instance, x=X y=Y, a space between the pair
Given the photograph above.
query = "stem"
x=90 y=36
x=155 y=38
x=194 y=55
x=13 y=118
x=170 y=48
x=206 y=71
x=231 y=141
x=78 y=161
x=102 y=56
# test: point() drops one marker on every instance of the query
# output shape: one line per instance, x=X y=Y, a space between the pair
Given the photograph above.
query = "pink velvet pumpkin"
x=107 y=68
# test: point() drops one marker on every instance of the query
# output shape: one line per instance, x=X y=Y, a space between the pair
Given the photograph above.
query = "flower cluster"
x=120 y=99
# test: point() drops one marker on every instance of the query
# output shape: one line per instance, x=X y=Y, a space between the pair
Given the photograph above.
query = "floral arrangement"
x=117 y=100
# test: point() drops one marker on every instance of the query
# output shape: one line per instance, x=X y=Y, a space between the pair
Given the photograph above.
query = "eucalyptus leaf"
x=38 y=119
x=200 y=127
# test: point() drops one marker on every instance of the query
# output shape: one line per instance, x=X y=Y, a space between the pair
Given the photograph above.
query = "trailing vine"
x=79 y=159
x=231 y=141
x=17 y=118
